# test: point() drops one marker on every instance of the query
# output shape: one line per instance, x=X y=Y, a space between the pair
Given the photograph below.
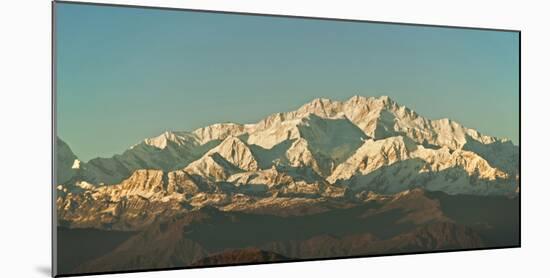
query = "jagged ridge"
x=324 y=149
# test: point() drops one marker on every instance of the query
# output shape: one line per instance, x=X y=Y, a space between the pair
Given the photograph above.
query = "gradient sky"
x=124 y=74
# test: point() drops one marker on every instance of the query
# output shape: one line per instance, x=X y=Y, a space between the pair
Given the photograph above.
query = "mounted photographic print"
x=187 y=138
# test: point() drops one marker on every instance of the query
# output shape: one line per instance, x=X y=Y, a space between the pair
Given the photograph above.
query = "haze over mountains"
x=363 y=159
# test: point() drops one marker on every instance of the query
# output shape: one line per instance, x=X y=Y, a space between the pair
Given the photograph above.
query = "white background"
x=25 y=137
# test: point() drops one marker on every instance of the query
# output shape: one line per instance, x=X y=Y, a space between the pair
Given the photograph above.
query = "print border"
x=54 y=135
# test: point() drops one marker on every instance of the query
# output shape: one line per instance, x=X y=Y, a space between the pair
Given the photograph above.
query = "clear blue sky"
x=124 y=74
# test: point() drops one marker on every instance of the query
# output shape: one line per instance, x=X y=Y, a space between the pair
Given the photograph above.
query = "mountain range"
x=365 y=158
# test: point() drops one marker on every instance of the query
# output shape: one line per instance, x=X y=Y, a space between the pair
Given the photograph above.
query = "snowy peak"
x=219 y=131
x=299 y=155
x=373 y=115
x=382 y=117
x=373 y=155
x=237 y=153
x=453 y=135
x=321 y=107
x=371 y=103
x=229 y=157
x=177 y=138
x=275 y=131
x=473 y=164
x=213 y=167
x=324 y=107
x=66 y=161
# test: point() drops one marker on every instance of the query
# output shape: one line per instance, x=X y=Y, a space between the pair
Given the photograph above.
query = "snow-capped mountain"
x=168 y=151
x=324 y=149
x=65 y=161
